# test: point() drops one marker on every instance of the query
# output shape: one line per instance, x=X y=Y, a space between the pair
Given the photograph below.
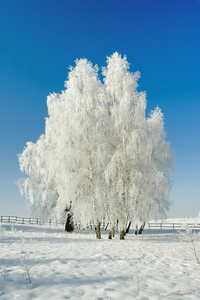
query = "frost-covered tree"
x=138 y=174
x=162 y=162
x=74 y=161
x=127 y=112
x=100 y=157
x=84 y=90
x=41 y=192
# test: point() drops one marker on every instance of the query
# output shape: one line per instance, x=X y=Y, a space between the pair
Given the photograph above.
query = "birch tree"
x=128 y=115
x=100 y=156
x=83 y=106
x=139 y=171
x=38 y=189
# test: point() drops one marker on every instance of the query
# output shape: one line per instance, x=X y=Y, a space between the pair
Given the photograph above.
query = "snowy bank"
x=154 y=265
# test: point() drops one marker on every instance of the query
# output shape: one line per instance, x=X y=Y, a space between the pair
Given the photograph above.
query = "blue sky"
x=39 y=40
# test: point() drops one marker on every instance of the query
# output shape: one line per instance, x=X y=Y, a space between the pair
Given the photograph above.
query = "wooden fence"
x=168 y=225
x=25 y=220
x=37 y=221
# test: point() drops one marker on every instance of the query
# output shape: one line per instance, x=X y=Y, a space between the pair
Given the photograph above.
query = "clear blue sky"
x=40 y=39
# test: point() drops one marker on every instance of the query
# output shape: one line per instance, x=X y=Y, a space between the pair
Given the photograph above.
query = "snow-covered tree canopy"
x=100 y=156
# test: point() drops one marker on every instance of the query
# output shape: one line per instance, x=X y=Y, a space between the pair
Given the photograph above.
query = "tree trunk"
x=142 y=228
x=97 y=227
x=69 y=225
x=117 y=225
x=128 y=228
x=111 y=233
x=106 y=226
x=123 y=219
x=122 y=234
x=98 y=230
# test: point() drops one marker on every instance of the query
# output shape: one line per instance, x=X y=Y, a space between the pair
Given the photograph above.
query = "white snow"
x=154 y=265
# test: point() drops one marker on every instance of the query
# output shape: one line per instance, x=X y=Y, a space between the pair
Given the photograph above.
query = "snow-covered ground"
x=154 y=265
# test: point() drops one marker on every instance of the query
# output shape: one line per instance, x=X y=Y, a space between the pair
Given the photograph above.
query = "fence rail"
x=37 y=221
x=168 y=225
x=25 y=220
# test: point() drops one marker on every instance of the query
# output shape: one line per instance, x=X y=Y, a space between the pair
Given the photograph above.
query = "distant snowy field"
x=154 y=265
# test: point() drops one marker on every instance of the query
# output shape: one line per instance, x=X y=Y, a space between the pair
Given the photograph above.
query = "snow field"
x=155 y=265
